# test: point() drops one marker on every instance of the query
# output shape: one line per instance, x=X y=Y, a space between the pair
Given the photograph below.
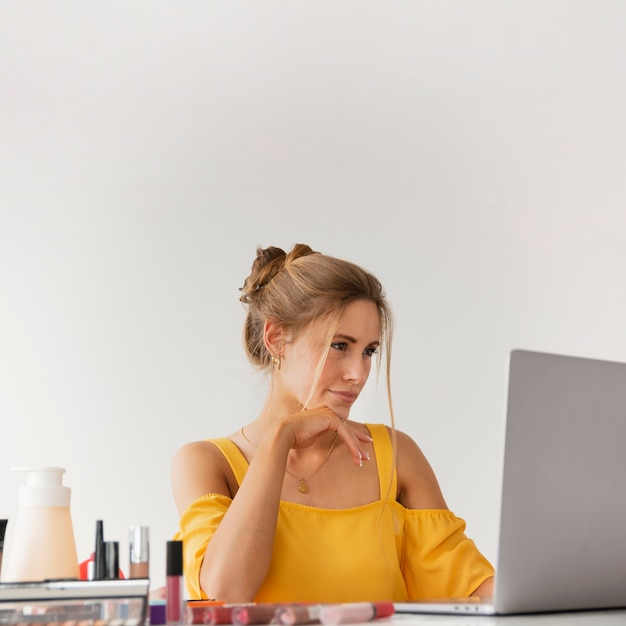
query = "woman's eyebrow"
x=351 y=339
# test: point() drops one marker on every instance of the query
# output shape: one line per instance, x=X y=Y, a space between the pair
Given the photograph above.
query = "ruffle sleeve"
x=196 y=528
x=438 y=560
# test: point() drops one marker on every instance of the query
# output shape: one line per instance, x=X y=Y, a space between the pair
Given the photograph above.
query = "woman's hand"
x=304 y=428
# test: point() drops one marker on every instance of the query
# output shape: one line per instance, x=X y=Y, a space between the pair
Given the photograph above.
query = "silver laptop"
x=562 y=543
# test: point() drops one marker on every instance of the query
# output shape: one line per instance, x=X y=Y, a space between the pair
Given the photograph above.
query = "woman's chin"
x=342 y=412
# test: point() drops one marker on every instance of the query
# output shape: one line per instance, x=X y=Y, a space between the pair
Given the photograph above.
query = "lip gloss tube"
x=354 y=612
x=199 y=611
x=291 y=614
x=174 y=597
x=139 y=552
x=220 y=614
x=262 y=613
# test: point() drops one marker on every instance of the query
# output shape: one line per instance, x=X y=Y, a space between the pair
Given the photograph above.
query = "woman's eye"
x=342 y=346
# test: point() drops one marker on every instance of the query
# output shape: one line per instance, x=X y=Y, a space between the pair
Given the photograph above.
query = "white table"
x=580 y=618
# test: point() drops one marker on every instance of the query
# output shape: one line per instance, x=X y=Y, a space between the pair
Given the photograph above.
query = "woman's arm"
x=418 y=489
x=485 y=590
x=417 y=484
x=246 y=533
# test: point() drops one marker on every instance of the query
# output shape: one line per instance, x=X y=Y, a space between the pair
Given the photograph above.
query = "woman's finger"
x=359 y=454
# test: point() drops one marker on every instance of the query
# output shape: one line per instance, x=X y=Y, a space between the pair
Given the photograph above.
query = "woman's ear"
x=273 y=338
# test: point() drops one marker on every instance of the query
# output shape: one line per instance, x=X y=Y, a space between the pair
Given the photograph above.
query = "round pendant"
x=302 y=488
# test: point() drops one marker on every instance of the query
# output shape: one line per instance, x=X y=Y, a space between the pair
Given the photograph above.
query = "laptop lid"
x=562 y=539
x=562 y=543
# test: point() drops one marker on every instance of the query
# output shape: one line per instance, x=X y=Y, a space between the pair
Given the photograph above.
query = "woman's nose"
x=355 y=370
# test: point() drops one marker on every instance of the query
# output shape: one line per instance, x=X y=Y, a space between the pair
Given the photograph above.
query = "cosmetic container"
x=139 y=552
x=41 y=545
x=74 y=603
x=174 y=583
x=3 y=527
x=156 y=616
x=98 y=555
x=111 y=550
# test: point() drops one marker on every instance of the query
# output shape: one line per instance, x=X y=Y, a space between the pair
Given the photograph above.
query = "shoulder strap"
x=387 y=475
x=233 y=455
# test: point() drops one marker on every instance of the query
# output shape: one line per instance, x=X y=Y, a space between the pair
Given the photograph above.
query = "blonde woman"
x=301 y=504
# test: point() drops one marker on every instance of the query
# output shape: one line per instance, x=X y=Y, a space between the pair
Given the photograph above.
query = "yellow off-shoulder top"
x=375 y=552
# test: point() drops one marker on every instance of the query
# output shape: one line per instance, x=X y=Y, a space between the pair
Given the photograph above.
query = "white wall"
x=472 y=154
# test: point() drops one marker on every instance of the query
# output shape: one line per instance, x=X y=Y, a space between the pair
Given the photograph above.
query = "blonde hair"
x=302 y=288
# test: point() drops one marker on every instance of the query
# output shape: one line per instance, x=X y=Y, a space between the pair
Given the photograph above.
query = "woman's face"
x=347 y=367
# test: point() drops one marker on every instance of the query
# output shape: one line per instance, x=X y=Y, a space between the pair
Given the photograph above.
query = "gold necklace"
x=302 y=487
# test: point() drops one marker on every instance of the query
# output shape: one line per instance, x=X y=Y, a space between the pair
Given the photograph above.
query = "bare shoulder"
x=418 y=487
x=196 y=456
x=199 y=468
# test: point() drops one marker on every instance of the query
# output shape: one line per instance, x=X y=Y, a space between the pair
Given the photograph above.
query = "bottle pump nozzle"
x=44 y=487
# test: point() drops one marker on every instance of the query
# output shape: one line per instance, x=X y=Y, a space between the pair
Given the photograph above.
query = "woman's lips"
x=346 y=396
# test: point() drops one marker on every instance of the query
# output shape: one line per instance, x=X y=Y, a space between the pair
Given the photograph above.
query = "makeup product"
x=354 y=612
x=98 y=559
x=262 y=613
x=139 y=552
x=42 y=544
x=111 y=552
x=198 y=611
x=221 y=612
x=196 y=615
x=87 y=567
x=157 y=612
x=3 y=527
x=75 y=603
x=291 y=614
x=174 y=599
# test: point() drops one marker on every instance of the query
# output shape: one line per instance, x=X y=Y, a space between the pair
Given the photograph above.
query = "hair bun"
x=267 y=263
x=298 y=251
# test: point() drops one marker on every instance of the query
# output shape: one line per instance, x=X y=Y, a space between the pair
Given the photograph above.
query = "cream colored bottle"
x=41 y=544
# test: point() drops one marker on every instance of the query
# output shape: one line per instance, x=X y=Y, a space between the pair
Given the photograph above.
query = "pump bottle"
x=41 y=544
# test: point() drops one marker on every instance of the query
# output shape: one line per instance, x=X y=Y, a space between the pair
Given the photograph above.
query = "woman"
x=301 y=504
